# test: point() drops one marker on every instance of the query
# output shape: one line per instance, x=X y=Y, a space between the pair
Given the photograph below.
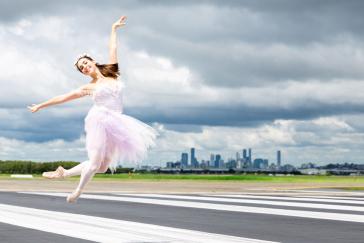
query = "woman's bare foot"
x=59 y=173
x=73 y=196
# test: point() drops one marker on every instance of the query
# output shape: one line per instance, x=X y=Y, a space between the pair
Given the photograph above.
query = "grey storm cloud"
x=42 y=128
x=232 y=43
x=255 y=45
x=282 y=21
x=45 y=127
x=239 y=116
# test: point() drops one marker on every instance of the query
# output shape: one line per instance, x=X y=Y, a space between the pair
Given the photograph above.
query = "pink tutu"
x=113 y=137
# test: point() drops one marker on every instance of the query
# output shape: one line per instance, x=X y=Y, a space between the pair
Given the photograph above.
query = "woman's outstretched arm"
x=113 y=41
x=74 y=94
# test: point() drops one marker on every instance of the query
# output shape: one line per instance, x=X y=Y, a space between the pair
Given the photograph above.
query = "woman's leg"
x=97 y=164
x=105 y=165
x=76 y=170
x=88 y=171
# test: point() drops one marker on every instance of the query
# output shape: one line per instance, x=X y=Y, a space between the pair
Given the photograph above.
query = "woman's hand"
x=113 y=43
x=34 y=108
x=119 y=23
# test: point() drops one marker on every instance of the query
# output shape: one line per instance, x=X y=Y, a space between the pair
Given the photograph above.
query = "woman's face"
x=86 y=66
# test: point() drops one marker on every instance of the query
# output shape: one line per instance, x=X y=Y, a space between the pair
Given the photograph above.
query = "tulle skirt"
x=113 y=137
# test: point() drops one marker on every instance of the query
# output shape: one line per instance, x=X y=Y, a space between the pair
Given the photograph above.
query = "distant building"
x=231 y=164
x=204 y=164
x=217 y=161
x=212 y=160
x=308 y=166
x=238 y=161
x=256 y=163
x=244 y=154
x=288 y=168
x=169 y=164
x=272 y=167
x=184 y=159
x=278 y=158
x=250 y=155
x=221 y=163
x=193 y=158
x=260 y=163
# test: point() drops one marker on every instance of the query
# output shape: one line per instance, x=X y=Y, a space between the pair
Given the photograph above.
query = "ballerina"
x=111 y=136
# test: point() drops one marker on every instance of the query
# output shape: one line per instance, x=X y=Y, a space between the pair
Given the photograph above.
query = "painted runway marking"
x=304 y=199
x=107 y=230
x=221 y=207
x=323 y=192
x=338 y=197
x=263 y=202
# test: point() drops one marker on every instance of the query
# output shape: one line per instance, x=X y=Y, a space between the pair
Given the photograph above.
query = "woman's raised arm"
x=113 y=58
x=74 y=94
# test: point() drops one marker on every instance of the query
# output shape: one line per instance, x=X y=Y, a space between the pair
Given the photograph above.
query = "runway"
x=34 y=216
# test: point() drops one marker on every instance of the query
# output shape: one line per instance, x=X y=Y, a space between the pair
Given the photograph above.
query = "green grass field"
x=237 y=178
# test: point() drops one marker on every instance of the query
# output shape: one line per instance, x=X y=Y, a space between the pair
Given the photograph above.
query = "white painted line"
x=107 y=230
x=293 y=194
x=263 y=202
x=332 y=193
x=304 y=199
x=222 y=207
x=338 y=197
x=21 y=176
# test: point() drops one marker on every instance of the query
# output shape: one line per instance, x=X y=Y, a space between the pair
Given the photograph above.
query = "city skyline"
x=212 y=75
x=243 y=158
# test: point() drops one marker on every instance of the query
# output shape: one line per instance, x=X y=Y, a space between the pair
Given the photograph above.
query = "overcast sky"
x=219 y=76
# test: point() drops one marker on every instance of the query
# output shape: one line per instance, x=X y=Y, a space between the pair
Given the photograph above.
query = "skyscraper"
x=250 y=155
x=244 y=154
x=212 y=160
x=217 y=160
x=278 y=158
x=238 y=161
x=184 y=159
x=193 y=158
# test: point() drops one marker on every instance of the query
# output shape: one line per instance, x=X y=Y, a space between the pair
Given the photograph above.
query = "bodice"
x=108 y=95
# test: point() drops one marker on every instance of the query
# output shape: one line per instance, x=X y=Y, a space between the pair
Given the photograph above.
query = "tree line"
x=30 y=167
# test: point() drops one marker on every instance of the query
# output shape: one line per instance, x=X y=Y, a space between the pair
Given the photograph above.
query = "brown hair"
x=107 y=70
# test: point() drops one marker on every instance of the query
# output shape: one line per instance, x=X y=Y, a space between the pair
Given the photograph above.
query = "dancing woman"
x=111 y=136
